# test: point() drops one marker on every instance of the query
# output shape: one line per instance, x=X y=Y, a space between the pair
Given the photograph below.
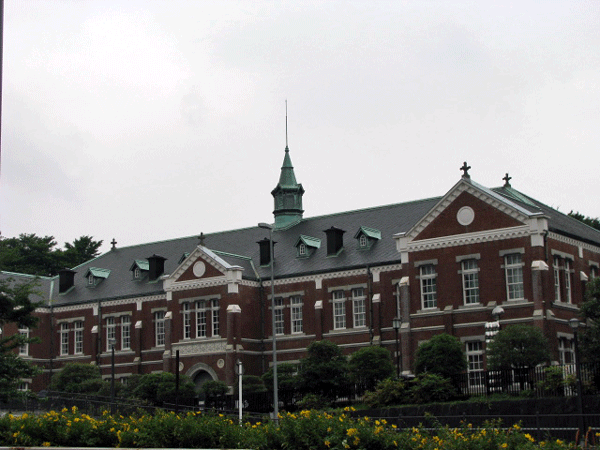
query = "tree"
x=591 y=221
x=158 y=388
x=16 y=311
x=443 y=354
x=30 y=254
x=78 y=378
x=518 y=346
x=37 y=255
x=81 y=250
x=286 y=377
x=323 y=370
x=590 y=335
x=369 y=365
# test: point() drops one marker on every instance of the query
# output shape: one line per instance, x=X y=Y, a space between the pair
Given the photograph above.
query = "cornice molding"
x=118 y=302
x=574 y=242
x=468 y=238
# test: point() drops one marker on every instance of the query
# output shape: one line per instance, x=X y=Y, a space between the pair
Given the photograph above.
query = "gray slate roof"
x=240 y=247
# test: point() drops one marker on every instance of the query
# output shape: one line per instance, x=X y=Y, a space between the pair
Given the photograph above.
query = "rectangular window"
x=187 y=321
x=111 y=332
x=279 y=324
x=201 y=319
x=556 y=279
x=78 y=337
x=470 y=278
x=215 y=317
x=159 y=328
x=359 y=310
x=64 y=338
x=566 y=354
x=339 y=310
x=568 y=284
x=474 y=351
x=296 y=313
x=125 y=332
x=513 y=267
x=428 y=286
x=24 y=348
x=593 y=272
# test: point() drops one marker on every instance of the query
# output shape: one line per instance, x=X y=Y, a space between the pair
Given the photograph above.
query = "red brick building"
x=439 y=264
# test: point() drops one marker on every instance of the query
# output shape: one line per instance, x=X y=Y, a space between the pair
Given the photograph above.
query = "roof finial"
x=506 y=180
x=465 y=168
x=286 y=134
x=114 y=244
x=201 y=239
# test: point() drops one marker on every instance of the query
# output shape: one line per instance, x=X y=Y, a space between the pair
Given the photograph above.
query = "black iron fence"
x=539 y=382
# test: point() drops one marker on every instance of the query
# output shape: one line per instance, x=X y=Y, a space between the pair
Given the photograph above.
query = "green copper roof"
x=98 y=273
x=369 y=232
x=309 y=241
x=287 y=196
x=141 y=263
x=287 y=178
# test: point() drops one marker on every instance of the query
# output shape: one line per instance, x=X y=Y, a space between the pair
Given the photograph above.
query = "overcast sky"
x=152 y=120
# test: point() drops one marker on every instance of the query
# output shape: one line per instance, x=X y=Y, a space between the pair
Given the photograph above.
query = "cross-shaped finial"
x=201 y=238
x=506 y=180
x=465 y=169
x=114 y=244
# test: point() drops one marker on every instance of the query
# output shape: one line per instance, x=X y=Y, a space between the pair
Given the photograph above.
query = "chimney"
x=265 y=251
x=156 y=267
x=335 y=241
x=66 y=280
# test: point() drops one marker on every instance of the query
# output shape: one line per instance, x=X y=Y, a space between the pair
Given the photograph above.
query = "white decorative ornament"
x=199 y=269
x=465 y=215
x=181 y=366
x=221 y=363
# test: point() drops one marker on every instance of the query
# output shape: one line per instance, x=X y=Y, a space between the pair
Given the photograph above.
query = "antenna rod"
x=286 y=136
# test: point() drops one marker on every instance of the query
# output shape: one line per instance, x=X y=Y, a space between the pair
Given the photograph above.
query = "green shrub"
x=430 y=387
x=387 y=392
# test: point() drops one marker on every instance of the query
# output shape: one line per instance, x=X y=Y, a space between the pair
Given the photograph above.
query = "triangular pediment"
x=201 y=267
x=469 y=212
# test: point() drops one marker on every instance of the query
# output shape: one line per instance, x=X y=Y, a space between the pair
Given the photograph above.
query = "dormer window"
x=307 y=245
x=366 y=237
x=95 y=275
x=139 y=269
x=362 y=241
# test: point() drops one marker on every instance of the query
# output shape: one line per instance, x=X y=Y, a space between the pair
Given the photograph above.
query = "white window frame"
x=565 y=347
x=428 y=283
x=363 y=241
x=125 y=332
x=339 y=310
x=91 y=280
x=78 y=328
x=24 y=348
x=137 y=272
x=556 y=267
x=111 y=332
x=214 y=305
x=513 y=270
x=279 y=316
x=568 y=282
x=302 y=249
x=64 y=338
x=475 y=360
x=159 y=329
x=186 y=320
x=296 y=314
x=359 y=308
x=201 y=321
x=470 y=281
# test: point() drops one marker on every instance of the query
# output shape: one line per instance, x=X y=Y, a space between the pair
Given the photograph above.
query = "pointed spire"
x=288 y=192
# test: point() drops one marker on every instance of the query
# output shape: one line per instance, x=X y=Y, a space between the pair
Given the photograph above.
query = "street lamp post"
x=112 y=342
x=575 y=324
x=396 y=323
x=266 y=226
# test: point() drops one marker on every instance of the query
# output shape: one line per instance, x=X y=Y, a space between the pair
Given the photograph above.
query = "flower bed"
x=305 y=430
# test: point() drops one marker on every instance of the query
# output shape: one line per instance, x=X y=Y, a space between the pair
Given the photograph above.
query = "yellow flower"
x=351 y=431
x=46 y=444
x=529 y=438
x=559 y=442
x=504 y=445
x=327 y=444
